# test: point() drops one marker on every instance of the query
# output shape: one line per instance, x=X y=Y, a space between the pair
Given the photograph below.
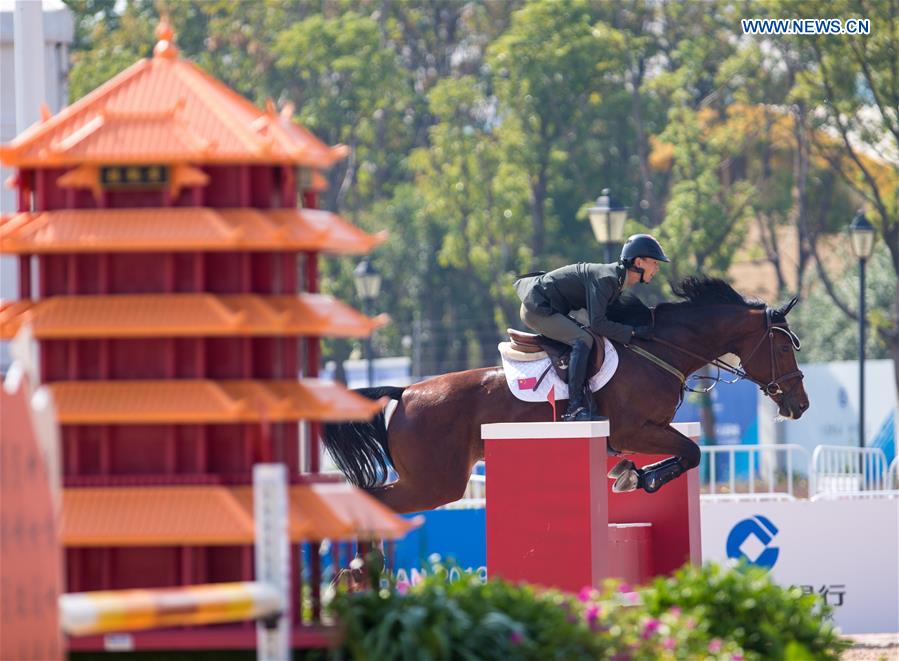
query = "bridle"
x=775 y=321
x=773 y=387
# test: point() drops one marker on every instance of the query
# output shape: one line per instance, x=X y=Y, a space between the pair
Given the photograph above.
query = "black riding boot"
x=591 y=404
x=577 y=375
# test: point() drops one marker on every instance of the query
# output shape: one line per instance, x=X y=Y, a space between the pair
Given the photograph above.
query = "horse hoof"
x=621 y=468
x=626 y=482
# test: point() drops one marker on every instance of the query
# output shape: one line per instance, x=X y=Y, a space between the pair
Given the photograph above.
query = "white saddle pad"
x=522 y=375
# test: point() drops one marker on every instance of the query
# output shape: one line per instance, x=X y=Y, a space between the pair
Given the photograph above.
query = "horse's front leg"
x=656 y=439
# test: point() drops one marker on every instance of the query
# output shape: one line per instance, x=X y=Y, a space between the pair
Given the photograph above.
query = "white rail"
x=84 y=613
x=766 y=464
x=771 y=474
x=841 y=495
x=475 y=493
x=846 y=469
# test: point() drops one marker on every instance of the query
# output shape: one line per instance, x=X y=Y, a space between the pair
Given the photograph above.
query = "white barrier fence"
x=771 y=472
x=848 y=470
x=764 y=478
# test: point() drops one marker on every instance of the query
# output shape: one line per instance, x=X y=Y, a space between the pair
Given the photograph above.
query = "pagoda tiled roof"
x=182 y=229
x=167 y=110
x=184 y=315
x=204 y=401
x=341 y=510
x=217 y=515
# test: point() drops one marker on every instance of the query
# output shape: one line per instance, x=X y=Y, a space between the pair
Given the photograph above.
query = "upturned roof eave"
x=293 y=145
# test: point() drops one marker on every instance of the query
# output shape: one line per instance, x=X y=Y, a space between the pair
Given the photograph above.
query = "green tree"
x=549 y=68
x=698 y=129
x=827 y=333
x=855 y=87
x=349 y=88
x=705 y=220
x=479 y=199
x=107 y=43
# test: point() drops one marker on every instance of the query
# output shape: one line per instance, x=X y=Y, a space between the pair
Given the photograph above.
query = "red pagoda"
x=168 y=245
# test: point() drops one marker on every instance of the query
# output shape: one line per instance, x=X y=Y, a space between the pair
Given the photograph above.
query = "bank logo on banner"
x=750 y=539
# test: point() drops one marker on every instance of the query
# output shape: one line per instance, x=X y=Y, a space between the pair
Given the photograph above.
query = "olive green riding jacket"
x=589 y=286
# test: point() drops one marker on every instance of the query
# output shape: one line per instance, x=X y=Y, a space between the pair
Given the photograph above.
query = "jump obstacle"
x=553 y=520
x=266 y=600
x=31 y=561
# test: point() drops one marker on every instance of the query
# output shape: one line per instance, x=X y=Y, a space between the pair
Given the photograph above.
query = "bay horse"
x=434 y=435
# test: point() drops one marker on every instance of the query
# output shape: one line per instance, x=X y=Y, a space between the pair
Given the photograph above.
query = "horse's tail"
x=360 y=449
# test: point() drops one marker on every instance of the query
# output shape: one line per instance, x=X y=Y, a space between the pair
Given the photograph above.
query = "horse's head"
x=768 y=355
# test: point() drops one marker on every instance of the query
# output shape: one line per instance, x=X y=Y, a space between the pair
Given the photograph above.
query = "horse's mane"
x=694 y=292
x=711 y=291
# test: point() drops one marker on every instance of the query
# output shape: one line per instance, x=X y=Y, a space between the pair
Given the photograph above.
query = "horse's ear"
x=785 y=309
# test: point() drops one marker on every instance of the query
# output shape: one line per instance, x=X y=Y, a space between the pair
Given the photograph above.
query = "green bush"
x=744 y=605
x=469 y=619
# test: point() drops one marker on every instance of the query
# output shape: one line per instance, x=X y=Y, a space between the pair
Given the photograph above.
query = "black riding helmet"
x=642 y=245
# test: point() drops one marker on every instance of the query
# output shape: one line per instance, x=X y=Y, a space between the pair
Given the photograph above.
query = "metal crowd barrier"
x=770 y=471
x=846 y=469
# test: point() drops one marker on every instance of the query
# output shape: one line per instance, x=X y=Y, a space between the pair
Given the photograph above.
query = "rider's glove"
x=643 y=332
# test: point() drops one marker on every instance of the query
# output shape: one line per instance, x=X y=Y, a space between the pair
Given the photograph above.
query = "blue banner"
x=735 y=407
x=459 y=535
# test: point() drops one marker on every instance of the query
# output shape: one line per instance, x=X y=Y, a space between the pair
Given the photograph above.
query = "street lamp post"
x=861 y=233
x=368 y=286
x=607 y=221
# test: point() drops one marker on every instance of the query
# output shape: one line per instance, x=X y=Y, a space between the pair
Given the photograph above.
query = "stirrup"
x=577 y=415
x=583 y=414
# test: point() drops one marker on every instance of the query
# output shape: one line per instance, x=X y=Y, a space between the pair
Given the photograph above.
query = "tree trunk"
x=893 y=343
x=538 y=219
x=647 y=191
x=800 y=195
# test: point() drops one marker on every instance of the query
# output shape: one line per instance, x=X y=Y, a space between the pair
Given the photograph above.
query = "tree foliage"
x=481 y=131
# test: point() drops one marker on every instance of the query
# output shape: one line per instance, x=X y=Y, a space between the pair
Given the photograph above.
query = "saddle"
x=558 y=352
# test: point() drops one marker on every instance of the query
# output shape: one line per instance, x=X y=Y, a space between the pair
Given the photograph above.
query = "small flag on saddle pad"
x=528 y=383
x=551 y=398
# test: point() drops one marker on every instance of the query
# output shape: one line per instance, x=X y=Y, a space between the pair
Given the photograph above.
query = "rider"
x=547 y=299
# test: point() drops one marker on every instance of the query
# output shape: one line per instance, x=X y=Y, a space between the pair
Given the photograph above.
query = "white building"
x=58 y=34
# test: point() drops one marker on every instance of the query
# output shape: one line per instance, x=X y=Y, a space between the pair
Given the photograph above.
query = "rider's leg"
x=564 y=329
x=557 y=326
x=578 y=408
